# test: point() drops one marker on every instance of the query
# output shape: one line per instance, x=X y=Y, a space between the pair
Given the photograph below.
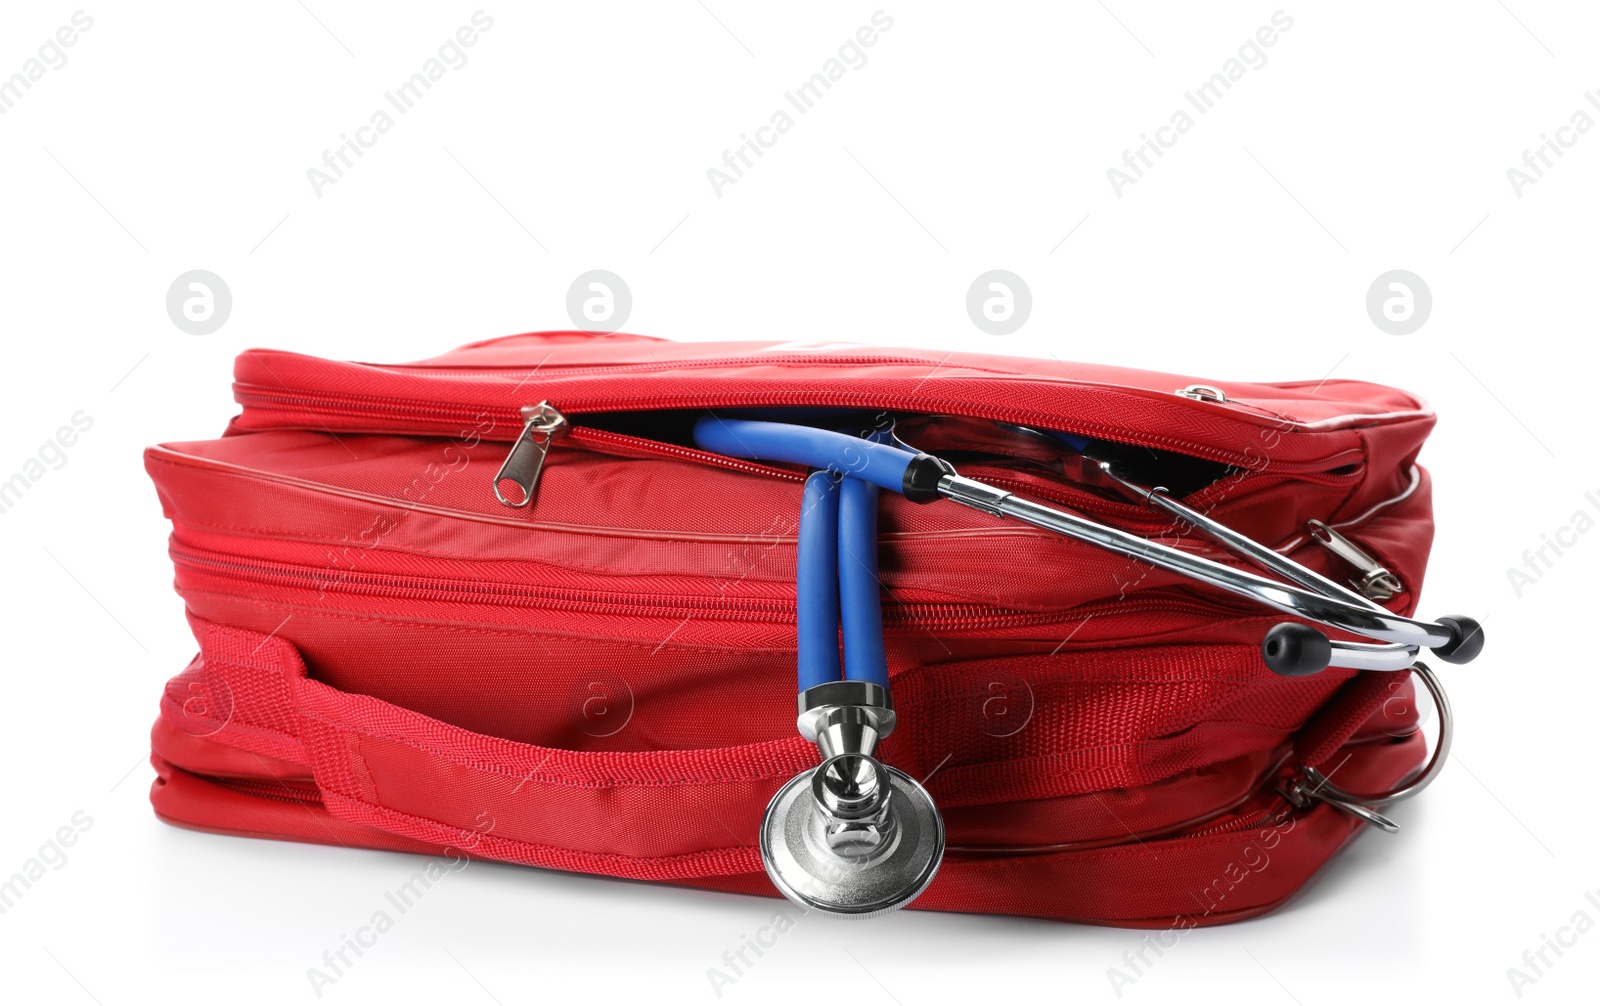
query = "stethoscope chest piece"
x=853 y=838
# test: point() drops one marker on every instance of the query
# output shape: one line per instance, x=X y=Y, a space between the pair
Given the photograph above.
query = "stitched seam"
x=719 y=851
x=506 y=772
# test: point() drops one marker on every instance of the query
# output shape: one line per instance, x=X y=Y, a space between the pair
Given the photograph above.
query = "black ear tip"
x=920 y=483
x=1466 y=639
x=1293 y=650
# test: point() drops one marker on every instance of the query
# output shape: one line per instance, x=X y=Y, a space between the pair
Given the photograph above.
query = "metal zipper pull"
x=1302 y=789
x=1375 y=581
x=541 y=424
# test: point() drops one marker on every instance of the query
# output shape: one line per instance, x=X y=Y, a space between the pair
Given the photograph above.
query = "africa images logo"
x=51 y=457
x=1251 y=56
x=851 y=55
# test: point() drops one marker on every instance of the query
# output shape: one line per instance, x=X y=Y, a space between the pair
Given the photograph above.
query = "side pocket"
x=1038 y=727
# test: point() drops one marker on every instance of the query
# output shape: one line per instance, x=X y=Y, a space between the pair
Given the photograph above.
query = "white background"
x=178 y=137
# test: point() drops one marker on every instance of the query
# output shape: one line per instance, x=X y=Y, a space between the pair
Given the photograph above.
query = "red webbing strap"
x=675 y=815
x=236 y=692
x=1355 y=704
x=651 y=815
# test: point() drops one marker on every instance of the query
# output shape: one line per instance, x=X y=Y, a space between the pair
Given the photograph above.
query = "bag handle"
x=377 y=764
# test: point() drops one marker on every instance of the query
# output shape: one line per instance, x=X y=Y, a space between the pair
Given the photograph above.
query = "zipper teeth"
x=269 y=789
x=582 y=435
x=366 y=406
x=441 y=589
x=1234 y=818
x=921 y=615
x=1242 y=822
x=1235 y=823
x=588 y=435
x=266 y=789
x=907 y=403
x=1125 y=514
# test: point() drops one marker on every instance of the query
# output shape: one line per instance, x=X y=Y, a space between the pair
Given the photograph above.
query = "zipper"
x=588 y=436
x=1128 y=516
x=1280 y=792
x=269 y=789
x=1266 y=807
x=1262 y=807
x=443 y=589
x=1230 y=821
x=422 y=418
x=541 y=425
x=777 y=610
x=544 y=423
x=1372 y=578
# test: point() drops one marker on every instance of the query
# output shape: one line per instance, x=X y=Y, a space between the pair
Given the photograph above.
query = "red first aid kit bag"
x=603 y=681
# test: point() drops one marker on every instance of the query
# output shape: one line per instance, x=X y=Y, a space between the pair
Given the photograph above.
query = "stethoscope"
x=857 y=838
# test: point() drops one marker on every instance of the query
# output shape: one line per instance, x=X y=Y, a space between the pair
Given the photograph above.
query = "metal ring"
x=1322 y=787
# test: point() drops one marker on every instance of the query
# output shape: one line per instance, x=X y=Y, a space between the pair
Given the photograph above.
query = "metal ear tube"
x=1456 y=640
x=857 y=838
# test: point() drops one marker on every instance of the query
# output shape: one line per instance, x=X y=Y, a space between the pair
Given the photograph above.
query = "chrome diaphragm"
x=853 y=837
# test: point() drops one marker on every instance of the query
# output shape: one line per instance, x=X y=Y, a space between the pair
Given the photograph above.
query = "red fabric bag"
x=604 y=681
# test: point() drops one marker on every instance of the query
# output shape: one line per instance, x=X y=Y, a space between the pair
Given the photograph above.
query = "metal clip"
x=1301 y=790
x=1313 y=785
x=541 y=425
x=1203 y=393
x=1375 y=580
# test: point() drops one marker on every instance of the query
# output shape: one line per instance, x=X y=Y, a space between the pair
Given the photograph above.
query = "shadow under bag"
x=519 y=602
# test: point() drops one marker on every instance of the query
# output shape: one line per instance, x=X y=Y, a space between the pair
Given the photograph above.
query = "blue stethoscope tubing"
x=881 y=464
x=817 y=581
x=837 y=583
x=860 y=609
x=837 y=575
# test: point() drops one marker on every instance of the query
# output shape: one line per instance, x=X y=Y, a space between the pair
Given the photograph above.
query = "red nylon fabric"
x=1377 y=702
x=448 y=790
x=390 y=658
